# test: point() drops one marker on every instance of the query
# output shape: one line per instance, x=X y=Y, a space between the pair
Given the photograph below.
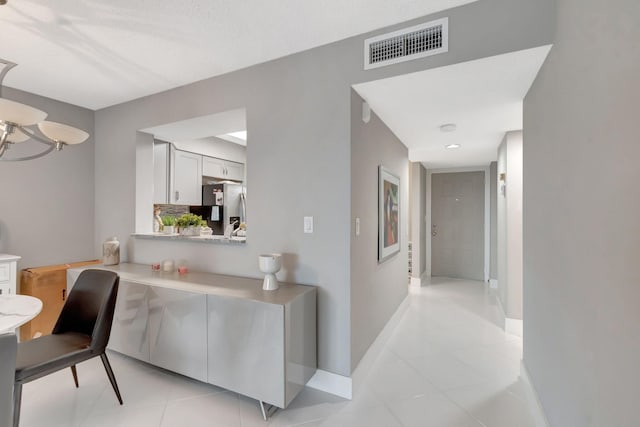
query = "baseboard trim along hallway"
x=535 y=407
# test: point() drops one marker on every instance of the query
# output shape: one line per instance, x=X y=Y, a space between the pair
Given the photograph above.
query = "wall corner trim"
x=533 y=401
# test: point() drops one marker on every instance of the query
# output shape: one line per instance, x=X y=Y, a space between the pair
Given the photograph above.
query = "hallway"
x=446 y=364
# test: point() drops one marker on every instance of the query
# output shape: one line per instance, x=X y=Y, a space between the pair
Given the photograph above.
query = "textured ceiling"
x=96 y=54
x=483 y=98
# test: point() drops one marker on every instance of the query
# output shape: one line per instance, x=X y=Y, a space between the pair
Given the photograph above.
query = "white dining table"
x=16 y=310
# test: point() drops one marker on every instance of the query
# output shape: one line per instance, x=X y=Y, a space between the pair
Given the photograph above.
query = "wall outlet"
x=308 y=224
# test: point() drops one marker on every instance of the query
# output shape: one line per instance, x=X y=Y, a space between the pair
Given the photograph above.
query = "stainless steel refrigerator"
x=222 y=204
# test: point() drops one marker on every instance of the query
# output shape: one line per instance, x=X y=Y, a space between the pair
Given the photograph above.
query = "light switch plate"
x=308 y=224
x=357 y=226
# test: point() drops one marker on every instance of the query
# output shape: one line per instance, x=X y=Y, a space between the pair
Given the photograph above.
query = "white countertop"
x=205 y=283
x=16 y=310
x=7 y=257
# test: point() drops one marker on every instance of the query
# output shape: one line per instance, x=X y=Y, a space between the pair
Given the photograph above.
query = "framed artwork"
x=388 y=214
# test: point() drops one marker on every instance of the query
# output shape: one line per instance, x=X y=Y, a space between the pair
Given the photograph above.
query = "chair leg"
x=17 y=400
x=112 y=378
x=75 y=375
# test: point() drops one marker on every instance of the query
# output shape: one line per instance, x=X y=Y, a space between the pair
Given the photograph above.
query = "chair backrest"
x=8 y=349
x=89 y=307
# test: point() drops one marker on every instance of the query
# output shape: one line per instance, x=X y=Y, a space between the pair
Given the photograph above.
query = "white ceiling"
x=96 y=54
x=483 y=98
x=218 y=124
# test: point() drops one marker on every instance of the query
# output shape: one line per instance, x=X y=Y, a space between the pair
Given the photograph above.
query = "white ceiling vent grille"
x=415 y=42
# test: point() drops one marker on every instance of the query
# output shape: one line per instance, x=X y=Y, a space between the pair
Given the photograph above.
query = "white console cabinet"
x=218 y=329
x=8 y=273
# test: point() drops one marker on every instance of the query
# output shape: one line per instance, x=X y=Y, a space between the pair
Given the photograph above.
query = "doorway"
x=458 y=225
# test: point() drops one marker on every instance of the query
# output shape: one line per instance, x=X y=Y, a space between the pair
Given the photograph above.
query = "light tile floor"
x=446 y=364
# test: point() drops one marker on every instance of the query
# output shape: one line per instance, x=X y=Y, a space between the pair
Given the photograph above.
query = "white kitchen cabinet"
x=212 y=167
x=186 y=178
x=8 y=274
x=224 y=169
x=234 y=171
x=178 y=331
x=160 y=173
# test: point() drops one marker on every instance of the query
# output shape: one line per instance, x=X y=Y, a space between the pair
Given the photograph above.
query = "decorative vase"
x=270 y=264
x=168 y=229
x=111 y=251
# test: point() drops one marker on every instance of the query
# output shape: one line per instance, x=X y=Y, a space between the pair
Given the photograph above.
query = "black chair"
x=8 y=347
x=81 y=333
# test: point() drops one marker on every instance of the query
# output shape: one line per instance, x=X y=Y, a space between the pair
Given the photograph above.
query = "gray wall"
x=298 y=158
x=493 y=211
x=47 y=211
x=376 y=289
x=581 y=221
x=509 y=225
x=418 y=205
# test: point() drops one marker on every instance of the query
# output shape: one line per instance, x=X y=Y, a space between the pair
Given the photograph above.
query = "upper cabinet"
x=224 y=169
x=160 y=173
x=186 y=178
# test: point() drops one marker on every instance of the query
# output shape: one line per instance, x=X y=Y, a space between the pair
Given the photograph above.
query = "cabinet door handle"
x=177 y=195
x=64 y=294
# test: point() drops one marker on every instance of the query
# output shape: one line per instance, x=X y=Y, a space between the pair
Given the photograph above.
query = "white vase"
x=111 y=251
x=168 y=229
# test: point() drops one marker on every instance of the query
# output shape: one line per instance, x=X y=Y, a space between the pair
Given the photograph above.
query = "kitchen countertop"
x=205 y=283
x=199 y=239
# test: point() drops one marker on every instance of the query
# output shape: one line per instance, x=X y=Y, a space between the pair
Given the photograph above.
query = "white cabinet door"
x=212 y=167
x=223 y=169
x=129 y=327
x=186 y=174
x=160 y=173
x=178 y=331
x=247 y=348
x=234 y=171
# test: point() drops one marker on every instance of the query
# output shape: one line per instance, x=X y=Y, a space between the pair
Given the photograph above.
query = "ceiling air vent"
x=415 y=42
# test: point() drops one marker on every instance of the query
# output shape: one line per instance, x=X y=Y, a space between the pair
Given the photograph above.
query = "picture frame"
x=388 y=214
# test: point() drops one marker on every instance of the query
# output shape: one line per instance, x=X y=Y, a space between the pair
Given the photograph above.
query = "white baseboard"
x=513 y=326
x=375 y=349
x=533 y=401
x=493 y=283
x=342 y=386
x=417 y=282
x=332 y=383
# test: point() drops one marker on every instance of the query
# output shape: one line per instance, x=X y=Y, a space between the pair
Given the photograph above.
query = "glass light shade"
x=23 y=115
x=18 y=136
x=63 y=133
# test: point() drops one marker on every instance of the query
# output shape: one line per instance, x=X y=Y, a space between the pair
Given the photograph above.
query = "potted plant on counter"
x=189 y=224
x=168 y=224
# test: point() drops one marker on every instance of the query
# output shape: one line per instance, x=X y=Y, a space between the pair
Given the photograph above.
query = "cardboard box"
x=49 y=284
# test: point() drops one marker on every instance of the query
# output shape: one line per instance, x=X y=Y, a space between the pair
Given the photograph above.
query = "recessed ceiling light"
x=452 y=146
x=448 y=127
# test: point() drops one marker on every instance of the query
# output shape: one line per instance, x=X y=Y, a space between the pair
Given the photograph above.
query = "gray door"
x=457 y=225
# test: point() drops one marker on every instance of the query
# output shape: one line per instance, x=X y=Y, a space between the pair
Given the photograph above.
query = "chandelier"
x=16 y=120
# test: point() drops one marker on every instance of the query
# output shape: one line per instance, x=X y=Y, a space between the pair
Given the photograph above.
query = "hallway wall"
x=581 y=218
x=377 y=289
x=509 y=224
